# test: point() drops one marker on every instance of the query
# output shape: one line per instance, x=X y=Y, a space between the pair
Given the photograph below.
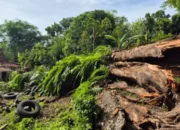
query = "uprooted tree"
x=150 y=88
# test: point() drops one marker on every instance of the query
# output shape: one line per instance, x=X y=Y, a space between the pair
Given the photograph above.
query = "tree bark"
x=165 y=54
x=155 y=50
x=148 y=85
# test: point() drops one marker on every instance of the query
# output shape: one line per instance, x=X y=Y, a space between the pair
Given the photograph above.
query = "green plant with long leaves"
x=82 y=112
x=69 y=72
x=18 y=81
x=120 y=41
x=123 y=42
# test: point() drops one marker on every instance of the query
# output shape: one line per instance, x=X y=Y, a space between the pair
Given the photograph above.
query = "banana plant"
x=120 y=41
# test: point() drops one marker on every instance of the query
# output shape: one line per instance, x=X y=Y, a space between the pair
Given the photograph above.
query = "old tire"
x=10 y=95
x=22 y=112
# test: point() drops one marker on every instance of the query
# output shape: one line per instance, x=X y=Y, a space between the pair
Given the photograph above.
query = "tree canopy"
x=173 y=3
x=20 y=35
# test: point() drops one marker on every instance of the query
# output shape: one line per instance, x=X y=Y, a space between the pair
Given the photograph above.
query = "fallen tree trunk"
x=155 y=50
x=164 y=54
x=151 y=77
x=150 y=70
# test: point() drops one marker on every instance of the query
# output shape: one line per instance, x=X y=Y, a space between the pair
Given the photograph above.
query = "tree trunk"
x=145 y=95
x=165 y=54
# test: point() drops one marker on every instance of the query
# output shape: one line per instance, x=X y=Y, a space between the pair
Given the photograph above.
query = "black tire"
x=22 y=112
x=10 y=95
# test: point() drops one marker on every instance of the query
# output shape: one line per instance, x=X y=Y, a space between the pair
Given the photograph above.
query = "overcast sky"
x=43 y=13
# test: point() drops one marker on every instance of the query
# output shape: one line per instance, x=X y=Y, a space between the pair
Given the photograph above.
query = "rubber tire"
x=10 y=95
x=24 y=113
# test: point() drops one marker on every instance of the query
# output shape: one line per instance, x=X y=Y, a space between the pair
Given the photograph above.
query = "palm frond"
x=111 y=38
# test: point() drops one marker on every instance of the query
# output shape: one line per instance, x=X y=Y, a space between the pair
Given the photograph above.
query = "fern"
x=72 y=70
x=99 y=74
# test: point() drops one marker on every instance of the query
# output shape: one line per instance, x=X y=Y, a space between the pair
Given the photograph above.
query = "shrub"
x=69 y=72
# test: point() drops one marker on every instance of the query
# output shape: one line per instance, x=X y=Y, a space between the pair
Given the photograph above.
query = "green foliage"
x=84 y=106
x=138 y=27
x=121 y=42
x=14 y=123
x=160 y=36
x=10 y=119
x=18 y=80
x=37 y=75
x=54 y=30
x=162 y=21
x=6 y=50
x=38 y=55
x=172 y=3
x=51 y=85
x=66 y=23
x=177 y=79
x=99 y=74
x=26 y=124
x=87 y=32
x=57 y=29
x=42 y=104
x=56 y=49
x=138 y=42
x=154 y=27
x=72 y=70
x=175 y=27
x=20 y=35
x=4 y=87
x=81 y=113
x=81 y=35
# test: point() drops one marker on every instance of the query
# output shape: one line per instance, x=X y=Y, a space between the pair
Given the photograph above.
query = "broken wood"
x=137 y=113
x=151 y=77
x=155 y=50
x=165 y=54
x=142 y=92
x=151 y=69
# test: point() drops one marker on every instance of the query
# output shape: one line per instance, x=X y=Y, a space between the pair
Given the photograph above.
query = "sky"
x=43 y=13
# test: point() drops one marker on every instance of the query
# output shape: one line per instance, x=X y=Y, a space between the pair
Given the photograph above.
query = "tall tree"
x=54 y=30
x=57 y=29
x=92 y=25
x=175 y=27
x=66 y=23
x=162 y=21
x=150 y=26
x=19 y=35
